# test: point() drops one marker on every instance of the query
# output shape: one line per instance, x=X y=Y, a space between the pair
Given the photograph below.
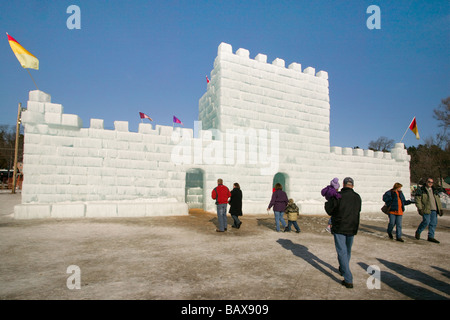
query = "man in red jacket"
x=221 y=194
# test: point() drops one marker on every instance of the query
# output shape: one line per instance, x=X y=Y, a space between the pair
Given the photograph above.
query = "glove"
x=441 y=213
x=420 y=212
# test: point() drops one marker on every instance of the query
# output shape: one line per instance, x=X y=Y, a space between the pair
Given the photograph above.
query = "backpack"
x=217 y=196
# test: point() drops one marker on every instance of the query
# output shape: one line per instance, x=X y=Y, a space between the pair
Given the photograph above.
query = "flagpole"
x=404 y=134
x=32 y=78
x=406 y=130
x=16 y=148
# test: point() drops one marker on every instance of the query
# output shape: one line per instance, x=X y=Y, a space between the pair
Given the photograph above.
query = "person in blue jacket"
x=395 y=199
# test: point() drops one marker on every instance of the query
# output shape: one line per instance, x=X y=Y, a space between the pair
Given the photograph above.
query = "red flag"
x=176 y=120
x=413 y=128
x=144 y=116
x=207 y=80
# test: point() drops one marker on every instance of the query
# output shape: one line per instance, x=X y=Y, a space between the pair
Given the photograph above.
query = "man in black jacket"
x=345 y=213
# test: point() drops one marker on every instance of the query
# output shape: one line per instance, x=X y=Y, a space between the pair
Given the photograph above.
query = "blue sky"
x=152 y=57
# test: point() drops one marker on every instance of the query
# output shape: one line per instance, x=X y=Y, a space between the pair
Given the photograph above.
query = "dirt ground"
x=183 y=258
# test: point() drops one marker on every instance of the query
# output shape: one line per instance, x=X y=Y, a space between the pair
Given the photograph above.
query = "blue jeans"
x=290 y=223
x=343 y=244
x=222 y=216
x=279 y=218
x=429 y=220
x=236 y=220
x=395 y=220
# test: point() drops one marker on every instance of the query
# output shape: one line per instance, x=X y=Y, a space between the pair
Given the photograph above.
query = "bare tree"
x=381 y=144
x=442 y=115
x=7 y=146
x=432 y=159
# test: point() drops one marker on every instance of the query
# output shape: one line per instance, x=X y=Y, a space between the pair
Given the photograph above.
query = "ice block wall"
x=71 y=171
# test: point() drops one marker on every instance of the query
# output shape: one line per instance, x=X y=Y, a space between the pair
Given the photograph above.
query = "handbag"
x=386 y=209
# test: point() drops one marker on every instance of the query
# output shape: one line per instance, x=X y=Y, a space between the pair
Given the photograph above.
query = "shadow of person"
x=408 y=289
x=215 y=221
x=303 y=252
x=267 y=222
x=417 y=275
x=443 y=271
x=366 y=227
x=379 y=231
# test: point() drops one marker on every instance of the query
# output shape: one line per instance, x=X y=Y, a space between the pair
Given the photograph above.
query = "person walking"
x=428 y=205
x=221 y=194
x=279 y=202
x=345 y=214
x=395 y=200
x=236 y=205
x=292 y=212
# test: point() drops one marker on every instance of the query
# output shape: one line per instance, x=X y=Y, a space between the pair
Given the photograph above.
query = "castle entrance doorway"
x=283 y=179
x=194 y=188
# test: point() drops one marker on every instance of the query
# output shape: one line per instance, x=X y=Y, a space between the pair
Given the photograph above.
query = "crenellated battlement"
x=398 y=153
x=41 y=111
x=225 y=51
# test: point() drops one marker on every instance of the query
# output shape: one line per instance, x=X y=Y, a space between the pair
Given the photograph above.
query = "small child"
x=329 y=192
x=292 y=212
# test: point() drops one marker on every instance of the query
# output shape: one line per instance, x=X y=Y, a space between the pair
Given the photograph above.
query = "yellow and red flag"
x=26 y=59
x=413 y=128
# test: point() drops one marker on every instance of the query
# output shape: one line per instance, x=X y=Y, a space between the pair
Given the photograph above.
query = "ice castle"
x=259 y=123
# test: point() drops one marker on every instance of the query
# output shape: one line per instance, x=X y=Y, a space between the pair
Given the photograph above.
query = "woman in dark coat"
x=236 y=205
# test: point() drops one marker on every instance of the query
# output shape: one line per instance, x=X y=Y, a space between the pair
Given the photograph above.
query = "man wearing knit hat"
x=345 y=213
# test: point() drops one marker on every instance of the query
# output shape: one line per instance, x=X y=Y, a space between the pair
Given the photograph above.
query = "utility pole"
x=16 y=150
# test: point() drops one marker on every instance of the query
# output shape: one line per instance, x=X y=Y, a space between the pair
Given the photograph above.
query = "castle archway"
x=194 y=193
x=283 y=179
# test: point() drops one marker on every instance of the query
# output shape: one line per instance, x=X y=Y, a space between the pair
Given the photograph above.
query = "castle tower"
x=251 y=93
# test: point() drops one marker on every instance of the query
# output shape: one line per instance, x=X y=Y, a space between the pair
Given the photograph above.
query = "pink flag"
x=176 y=120
x=144 y=116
